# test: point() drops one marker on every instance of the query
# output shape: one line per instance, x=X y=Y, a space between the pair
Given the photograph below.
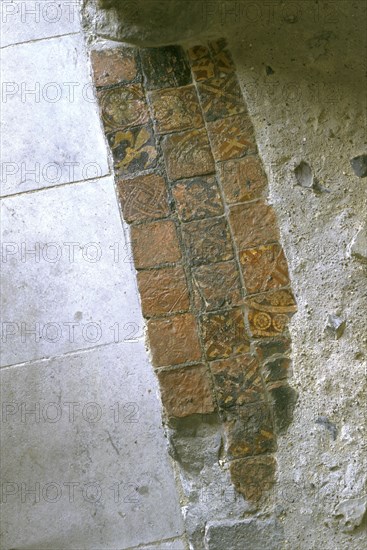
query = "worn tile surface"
x=176 y=109
x=269 y=313
x=186 y=391
x=242 y=179
x=224 y=334
x=264 y=268
x=163 y=291
x=96 y=450
x=221 y=97
x=232 y=137
x=253 y=224
x=114 y=66
x=188 y=154
x=207 y=241
x=133 y=149
x=165 y=67
x=123 y=106
x=218 y=285
x=197 y=198
x=155 y=243
x=174 y=340
x=50 y=100
x=143 y=197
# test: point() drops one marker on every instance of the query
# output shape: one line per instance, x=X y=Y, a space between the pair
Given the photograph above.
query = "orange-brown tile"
x=232 y=137
x=264 y=268
x=176 y=109
x=253 y=224
x=188 y=154
x=163 y=291
x=242 y=179
x=154 y=244
x=143 y=198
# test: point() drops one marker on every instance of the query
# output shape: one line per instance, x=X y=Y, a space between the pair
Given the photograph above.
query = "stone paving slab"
x=24 y=20
x=51 y=128
x=94 y=454
x=80 y=273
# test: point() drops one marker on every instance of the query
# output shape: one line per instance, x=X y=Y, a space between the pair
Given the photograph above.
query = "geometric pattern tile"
x=143 y=197
x=176 y=109
x=264 y=268
x=221 y=97
x=123 y=106
x=224 y=334
x=269 y=313
x=232 y=137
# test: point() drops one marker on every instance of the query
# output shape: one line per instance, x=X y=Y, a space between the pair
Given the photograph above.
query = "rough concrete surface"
x=301 y=66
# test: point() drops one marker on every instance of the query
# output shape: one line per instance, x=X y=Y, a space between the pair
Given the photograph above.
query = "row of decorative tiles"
x=212 y=275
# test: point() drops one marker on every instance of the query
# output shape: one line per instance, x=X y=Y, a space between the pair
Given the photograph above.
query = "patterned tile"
x=269 y=313
x=218 y=285
x=251 y=432
x=232 y=137
x=253 y=224
x=165 y=67
x=143 y=198
x=264 y=268
x=237 y=381
x=207 y=241
x=176 y=109
x=133 y=149
x=197 y=198
x=188 y=154
x=224 y=63
x=221 y=97
x=224 y=334
x=114 y=66
x=203 y=68
x=123 y=106
x=198 y=52
x=242 y=179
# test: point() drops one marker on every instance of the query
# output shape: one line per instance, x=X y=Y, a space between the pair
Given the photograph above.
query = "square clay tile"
x=155 y=243
x=242 y=179
x=165 y=67
x=218 y=285
x=237 y=381
x=221 y=97
x=253 y=224
x=207 y=241
x=269 y=313
x=224 y=334
x=163 y=291
x=133 y=149
x=176 y=109
x=252 y=477
x=174 y=340
x=264 y=268
x=123 y=106
x=144 y=197
x=197 y=198
x=251 y=432
x=186 y=391
x=114 y=66
x=198 y=52
x=202 y=64
x=188 y=154
x=232 y=137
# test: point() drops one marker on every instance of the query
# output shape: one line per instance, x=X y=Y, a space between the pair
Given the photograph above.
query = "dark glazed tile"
x=224 y=334
x=207 y=241
x=165 y=67
x=218 y=285
x=197 y=198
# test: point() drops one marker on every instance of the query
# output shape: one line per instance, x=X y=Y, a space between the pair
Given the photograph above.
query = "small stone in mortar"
x=359 y=165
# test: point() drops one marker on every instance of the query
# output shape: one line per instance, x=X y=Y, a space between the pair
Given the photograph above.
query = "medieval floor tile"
x=253 y=224
x=232 y=137
x=250 y=432
x=202 y=64
x=224 y=334
x=264 y=268
x=133 y=149
x=267 y=349
x=163 y=291
x=278 y=369
x=143 y=198
x=253 y=477
x=114 y=66
x=186 y=391
x=237 y=381
x=197 y=198
x=176 y=109
x=123 y=106
x=243 y=179
x=218 y=285
x=221 y=97
x=174 y=340
x=269 y=313
x=154 y=244
x=207 y=241
x=188 y=154
x=165 y=67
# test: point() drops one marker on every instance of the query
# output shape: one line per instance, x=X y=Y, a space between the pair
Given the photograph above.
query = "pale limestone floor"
x=89 y=468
